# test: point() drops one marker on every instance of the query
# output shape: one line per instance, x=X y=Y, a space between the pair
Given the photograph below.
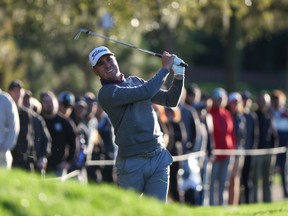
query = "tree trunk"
x=233 y=54
x=286 y=69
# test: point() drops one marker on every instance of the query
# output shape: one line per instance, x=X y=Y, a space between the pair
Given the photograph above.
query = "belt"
x=148 y=155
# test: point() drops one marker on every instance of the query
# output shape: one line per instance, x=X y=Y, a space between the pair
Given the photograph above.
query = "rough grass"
x=26 y=194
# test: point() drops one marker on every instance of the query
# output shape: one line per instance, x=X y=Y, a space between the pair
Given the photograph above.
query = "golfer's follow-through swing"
x=88 y=32
x=143 y=162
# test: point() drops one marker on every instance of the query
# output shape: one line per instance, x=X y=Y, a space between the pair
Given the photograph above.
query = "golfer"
x=142 y=162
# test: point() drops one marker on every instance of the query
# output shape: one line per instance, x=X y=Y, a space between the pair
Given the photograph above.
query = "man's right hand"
x=167 y=60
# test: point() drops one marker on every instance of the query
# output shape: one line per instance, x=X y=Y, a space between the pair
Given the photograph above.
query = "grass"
x=26 y=194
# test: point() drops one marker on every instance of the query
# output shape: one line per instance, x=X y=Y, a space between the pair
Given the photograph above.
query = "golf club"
x=88 y=32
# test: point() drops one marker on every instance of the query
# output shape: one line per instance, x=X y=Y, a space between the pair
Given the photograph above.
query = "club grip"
x=183 y=64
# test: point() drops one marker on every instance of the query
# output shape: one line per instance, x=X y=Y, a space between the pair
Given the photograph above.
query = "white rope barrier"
x=231 y=152
x=189 y=155
x=100 y=162
x=67 y=176
x=252 y=152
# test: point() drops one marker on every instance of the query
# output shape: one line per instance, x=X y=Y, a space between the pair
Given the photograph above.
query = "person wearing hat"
x=93 y=150
x=33 y=143
x=263 y=164
x=224 y=138
x=66 y=101
x=9 y=128
x=235 y=106
x=15 y=84
x=42 y=138
x=24 y=152
x=63 y=133
x=252 y=133
x=193 y=141
x=82 y=136
x=193 y=94
x=142 y=161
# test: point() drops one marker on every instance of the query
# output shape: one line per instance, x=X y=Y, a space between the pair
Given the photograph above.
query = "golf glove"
x=178 y=70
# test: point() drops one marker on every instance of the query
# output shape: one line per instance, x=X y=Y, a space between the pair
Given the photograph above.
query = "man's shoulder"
x=6 y=98
x=135 y=79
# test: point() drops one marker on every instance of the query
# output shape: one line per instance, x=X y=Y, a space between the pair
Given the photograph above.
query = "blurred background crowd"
x=227 y=146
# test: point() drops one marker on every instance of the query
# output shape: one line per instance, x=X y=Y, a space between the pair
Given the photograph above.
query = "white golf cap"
x=97 y=53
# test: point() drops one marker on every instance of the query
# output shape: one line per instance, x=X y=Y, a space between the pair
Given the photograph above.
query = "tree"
x=37 y=36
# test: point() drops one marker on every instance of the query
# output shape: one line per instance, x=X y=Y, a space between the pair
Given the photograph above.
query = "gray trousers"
x=146 y=174
x=261 y=170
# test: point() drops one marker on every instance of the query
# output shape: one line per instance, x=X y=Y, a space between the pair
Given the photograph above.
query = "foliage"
x=37 y=46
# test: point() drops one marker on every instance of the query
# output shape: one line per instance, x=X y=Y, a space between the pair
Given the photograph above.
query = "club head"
x=77 y=35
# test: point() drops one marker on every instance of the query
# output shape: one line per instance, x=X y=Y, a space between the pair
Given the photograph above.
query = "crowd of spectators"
x=58 y=134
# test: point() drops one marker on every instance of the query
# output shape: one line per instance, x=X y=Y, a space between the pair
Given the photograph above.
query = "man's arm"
x=171 y=97
x=117 y=95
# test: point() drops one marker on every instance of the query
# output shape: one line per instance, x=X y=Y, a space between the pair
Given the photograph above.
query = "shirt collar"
x=105 y=82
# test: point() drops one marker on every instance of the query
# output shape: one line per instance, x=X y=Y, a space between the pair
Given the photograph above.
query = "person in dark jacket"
x=42 y=138
x=63 y=135
x=235 y=106
x=262 y=164
x=279 y=112
x=33 y=134
x=252 y=135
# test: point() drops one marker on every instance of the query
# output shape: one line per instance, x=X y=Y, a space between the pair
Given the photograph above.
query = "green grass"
x=28 y=194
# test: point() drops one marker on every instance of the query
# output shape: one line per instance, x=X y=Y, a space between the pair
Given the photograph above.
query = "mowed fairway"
x=28 y=194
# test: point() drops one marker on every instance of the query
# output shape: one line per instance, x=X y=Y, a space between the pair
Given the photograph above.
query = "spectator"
x=235 y=106
x=279 y=113
x=66 y=101
x=224 y=138
x=31 y=102
x=252 y=136
x=63 y=135
x=171 y=119
x=105 y=131
x=262 y=164
x=82 y=136
x=42 y=138
x=193 y=94
x=26 y=98
x=9 y=128
x=206 y=129
x=24 y=153
x=189 y=116
x=94 y=147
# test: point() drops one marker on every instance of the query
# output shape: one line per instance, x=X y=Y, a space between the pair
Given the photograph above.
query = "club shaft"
x=86 y=31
